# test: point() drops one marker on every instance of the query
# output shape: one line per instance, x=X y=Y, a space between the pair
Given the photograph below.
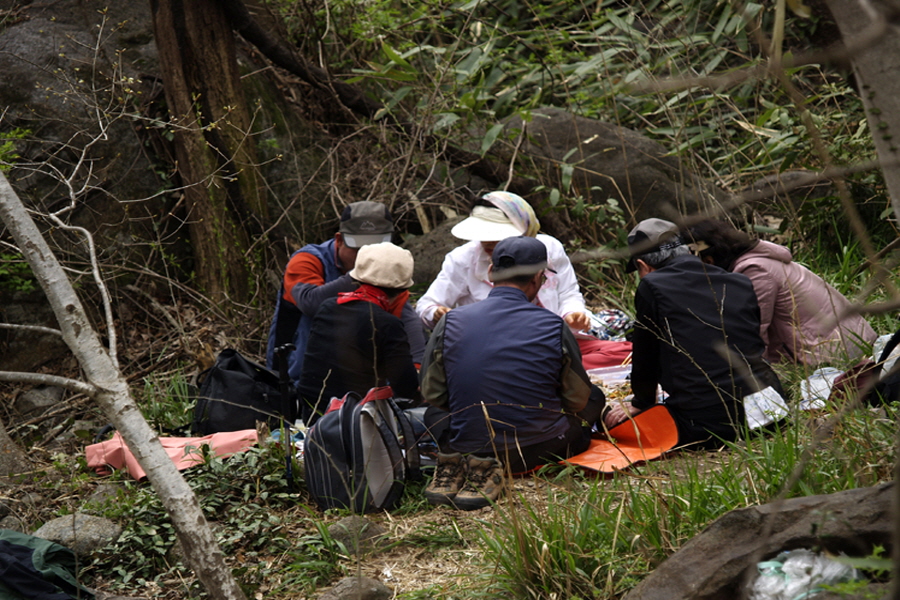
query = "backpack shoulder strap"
x=410 y=447
x=384 y=453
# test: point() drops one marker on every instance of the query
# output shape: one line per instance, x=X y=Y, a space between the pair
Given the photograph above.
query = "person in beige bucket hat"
x=317 y=272
x=357 y=340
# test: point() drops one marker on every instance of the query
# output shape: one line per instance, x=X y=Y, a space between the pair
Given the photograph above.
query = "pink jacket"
x=802 y=317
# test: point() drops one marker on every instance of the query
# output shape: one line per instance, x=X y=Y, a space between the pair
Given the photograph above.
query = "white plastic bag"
x=764 y=408
x=796 y=575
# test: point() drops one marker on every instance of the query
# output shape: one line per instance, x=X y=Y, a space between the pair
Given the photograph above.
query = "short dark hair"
x=392 y=292
x=658 y=258
x=518 y=280
x=720 y=241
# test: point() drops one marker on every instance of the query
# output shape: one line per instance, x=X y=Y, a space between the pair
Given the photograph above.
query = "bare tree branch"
x=34 y=328
x=73 y=385
x=110 y=389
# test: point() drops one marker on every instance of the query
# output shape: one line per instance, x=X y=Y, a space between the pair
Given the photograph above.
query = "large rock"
x=26 y=350
x=429 y=250
x=358 y=588
x=83 y=534
x=712 y=566
x=613 y=162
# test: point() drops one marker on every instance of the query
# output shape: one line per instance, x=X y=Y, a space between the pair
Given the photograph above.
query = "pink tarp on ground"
x=649 y=435
x=184 y=452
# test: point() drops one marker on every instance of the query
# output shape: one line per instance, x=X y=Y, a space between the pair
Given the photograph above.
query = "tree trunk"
x=876 y=69
x=214 y=148
x=200 y=548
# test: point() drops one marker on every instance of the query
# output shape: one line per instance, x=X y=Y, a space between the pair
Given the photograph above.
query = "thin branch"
x=72 y=385
x=837 y=53
x=34 y=328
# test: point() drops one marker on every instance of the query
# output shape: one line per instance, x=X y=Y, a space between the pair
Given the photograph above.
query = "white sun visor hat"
x=485 y=225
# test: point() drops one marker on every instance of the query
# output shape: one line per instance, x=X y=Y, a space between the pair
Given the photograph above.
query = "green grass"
x=596 y=538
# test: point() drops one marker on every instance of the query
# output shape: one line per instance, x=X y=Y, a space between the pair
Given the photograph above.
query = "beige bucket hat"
x=384 y=265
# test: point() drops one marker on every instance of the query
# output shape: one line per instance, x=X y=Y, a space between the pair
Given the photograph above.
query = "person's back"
x=696 y=335
x=803 y=318
x=705 y=323
x=357 y=341
x=354 y=347
x=503 y=355
x=505 y=384
x=317 y=272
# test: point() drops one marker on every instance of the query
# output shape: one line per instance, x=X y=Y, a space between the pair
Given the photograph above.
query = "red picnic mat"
x=602 y=353
x=645 y=437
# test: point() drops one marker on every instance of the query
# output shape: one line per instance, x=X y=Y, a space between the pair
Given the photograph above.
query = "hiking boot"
x=484 y=484
x=449 y=475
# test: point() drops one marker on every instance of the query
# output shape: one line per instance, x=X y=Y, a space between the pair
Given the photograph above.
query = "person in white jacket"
x=464 y=274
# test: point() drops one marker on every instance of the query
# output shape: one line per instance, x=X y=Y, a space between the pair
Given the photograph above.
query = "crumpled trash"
x=610 y=324
x=816 y=389
x=298 y=438
x=798 y=574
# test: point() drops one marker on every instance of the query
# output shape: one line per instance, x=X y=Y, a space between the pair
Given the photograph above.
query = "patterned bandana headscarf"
x=516 y=210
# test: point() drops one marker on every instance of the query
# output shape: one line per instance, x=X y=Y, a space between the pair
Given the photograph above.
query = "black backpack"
x=887 y=385
x=361 y=453
x=235 y=393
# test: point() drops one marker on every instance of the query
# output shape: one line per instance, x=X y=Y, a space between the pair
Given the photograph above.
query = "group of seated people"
x=504 y=369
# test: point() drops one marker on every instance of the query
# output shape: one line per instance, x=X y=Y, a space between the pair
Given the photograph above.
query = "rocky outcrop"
x=429 y=250
x=712 y=566
x=83 y=102
x=609 y=161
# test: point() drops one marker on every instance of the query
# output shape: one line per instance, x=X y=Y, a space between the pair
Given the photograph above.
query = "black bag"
x=360 y=454
x=887 y=385
x=235 y=393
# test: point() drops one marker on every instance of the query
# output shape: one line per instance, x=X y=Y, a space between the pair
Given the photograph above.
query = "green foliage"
x=561 y=549
x=243 y=496
x=167 y=401
x=459 y=68
x=597 y=538
x=8 y=153
x=15 y=274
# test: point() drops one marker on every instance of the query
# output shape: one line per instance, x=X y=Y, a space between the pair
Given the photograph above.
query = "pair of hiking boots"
x=466 y=482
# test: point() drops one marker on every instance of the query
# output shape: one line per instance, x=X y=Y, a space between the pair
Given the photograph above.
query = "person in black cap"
x=508 y=374
x=696 y=335
x=317 y=272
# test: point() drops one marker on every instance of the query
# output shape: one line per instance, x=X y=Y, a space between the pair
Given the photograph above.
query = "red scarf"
x=377 y=296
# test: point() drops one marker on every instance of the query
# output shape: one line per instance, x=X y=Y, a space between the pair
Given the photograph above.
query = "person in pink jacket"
x=803 y=318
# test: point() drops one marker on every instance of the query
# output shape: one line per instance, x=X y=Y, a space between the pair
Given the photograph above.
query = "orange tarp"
x=649 y=435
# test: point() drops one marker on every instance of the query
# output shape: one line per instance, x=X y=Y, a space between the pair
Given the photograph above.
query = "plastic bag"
x=796 y=575
x=610 y=324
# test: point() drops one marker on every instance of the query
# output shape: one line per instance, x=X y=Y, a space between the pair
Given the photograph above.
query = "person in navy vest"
x=508 y=374
x=317 y=272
